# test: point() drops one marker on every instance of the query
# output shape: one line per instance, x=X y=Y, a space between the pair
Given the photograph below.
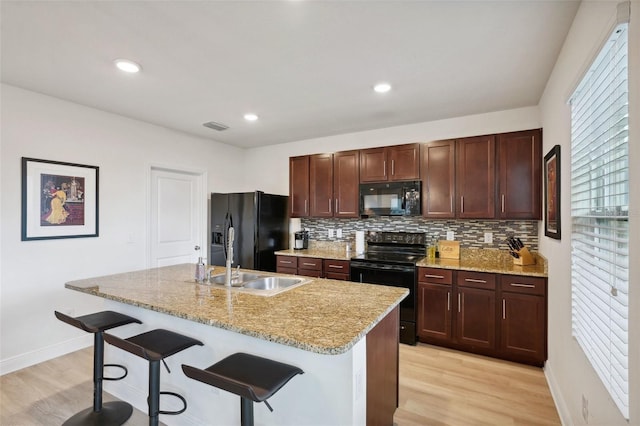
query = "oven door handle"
x=381 y=267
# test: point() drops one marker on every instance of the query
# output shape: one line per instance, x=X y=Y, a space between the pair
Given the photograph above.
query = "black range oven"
x=390 y=260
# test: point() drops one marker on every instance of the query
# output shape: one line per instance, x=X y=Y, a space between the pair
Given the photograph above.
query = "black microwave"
x=390 y=199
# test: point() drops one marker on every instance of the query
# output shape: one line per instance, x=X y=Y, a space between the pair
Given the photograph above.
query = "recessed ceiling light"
x=382 y=87
x=250 y=117
x=127 y=66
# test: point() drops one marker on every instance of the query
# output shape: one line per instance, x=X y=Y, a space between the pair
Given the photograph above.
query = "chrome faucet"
x=227 y=276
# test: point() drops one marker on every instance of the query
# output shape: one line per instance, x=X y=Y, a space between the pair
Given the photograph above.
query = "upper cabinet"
x=333 y=184
x=400 y=162
x=438 y=174
x=299 y=186
x=476 y=177
x=519 y=175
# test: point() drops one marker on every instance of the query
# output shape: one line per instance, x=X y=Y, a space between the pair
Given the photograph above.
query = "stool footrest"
x=116 y=378
x=173 y=413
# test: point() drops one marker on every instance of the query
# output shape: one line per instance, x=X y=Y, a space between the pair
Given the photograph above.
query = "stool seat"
x=112 y=413
x=155 y=346
x=251 y=377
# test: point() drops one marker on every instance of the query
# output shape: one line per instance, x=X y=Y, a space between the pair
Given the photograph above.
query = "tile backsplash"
x=470 y=233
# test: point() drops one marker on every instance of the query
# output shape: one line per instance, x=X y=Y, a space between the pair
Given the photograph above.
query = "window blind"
x=599 y=216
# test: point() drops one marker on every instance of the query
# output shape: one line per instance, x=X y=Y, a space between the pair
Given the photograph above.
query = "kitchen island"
x=343 y=335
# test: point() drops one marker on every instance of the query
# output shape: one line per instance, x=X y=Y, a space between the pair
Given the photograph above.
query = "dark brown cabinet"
x=519 y=175
x=496 y=315
x=336 y=269
x=299 y=186
x=438 y=179
x=435 y=292
x=310 y=267
x=475 y=177
x=401 y=162
x=523 y=318
x=287 y=264
x=333 y=184
x=476 y=310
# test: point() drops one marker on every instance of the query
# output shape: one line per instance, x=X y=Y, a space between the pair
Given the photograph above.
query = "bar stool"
x=110 y=413
x=253 y=378
x=155 y=346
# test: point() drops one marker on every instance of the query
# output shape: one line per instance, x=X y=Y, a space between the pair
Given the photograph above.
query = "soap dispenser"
x=200 y=268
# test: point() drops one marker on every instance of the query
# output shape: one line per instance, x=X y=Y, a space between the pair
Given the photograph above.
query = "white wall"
x=270 y=165
x=33 y=273
x=568 y=370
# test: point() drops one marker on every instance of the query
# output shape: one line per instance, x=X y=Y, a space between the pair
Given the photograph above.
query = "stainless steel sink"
x=237 y=280
x=272 y=283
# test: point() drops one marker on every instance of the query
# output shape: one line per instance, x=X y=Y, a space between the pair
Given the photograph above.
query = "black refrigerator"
x=261 y=225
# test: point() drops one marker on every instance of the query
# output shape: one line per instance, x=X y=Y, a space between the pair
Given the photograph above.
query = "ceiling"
x=306 y=68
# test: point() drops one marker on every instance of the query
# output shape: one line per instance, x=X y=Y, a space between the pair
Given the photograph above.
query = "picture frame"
x=59 y=200
x=552 y=222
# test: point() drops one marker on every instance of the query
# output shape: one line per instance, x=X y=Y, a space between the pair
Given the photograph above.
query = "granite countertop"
x=320 y=316
x=481 y=260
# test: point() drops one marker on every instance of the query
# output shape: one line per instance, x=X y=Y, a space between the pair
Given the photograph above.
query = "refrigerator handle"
x=224 y=235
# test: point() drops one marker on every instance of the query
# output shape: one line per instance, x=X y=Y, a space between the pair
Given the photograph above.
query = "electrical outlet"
x=339 y=233
x=330 y=233
x=488 y=237
x=585 y=409
x=451 y=236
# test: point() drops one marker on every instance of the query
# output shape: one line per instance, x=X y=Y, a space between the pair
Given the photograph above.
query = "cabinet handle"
x=473 y=280
x=336 y=266
x=504 y=315
x=308 y=264
x=330 y=205
x=305 y=205
x=458 y=302
x=434 y=276
x=502 y=203
x=522 y=285
x=451 y=203
x=462 y=204
x=393 y=167
x=448 y=301
x=285 y=261
x=384 y=167
x=336 y=210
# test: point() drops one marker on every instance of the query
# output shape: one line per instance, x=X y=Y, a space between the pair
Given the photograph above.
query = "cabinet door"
x=519 y=175
x=346 y=180
x=404 y=162
x=476 y=317
x=523 y=327
x=373 y=165
x=438 y=179
x=475 y=178
x=434 y=311
x=287 y=264
x=299 y=186
x=321 y=185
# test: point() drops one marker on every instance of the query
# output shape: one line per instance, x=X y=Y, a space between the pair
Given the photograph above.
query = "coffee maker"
x=301 y=240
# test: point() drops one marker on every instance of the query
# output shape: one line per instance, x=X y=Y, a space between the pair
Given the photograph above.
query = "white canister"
x=359 y=242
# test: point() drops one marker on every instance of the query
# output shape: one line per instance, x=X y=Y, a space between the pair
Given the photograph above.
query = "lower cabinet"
x=313 y=267
x=491 y=314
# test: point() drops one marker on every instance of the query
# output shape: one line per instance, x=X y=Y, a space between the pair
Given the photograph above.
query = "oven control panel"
x=419 y=238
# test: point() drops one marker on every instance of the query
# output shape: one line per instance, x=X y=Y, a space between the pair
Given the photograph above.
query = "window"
x=599 y=216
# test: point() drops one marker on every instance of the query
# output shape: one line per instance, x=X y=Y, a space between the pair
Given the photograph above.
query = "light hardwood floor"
x=437 y=387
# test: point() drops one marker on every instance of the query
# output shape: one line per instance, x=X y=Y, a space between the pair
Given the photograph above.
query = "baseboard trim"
x=556 y=394
x=37 y=356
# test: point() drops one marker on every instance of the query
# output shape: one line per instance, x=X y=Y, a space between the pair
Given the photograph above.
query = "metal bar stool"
x=155 y=346
x=110 y=413
x=253 y=378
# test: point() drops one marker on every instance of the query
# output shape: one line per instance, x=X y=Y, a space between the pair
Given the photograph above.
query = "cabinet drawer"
x=522 y=284
x=289 y=262
x=435 y=275
x=282 y=270
x=476 y=280
x=310 y=263
x=336 y=266
x=336 y=276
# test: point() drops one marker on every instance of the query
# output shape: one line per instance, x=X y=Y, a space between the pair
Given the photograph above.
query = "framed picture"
x=552 y=193
x=59 y=200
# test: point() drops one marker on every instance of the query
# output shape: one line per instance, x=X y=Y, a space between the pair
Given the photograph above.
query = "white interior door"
x=178 y=217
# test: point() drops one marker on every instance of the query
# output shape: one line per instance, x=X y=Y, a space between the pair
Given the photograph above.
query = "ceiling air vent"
x=215 y=126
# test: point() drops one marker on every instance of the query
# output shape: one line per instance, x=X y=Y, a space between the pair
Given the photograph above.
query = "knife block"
x=525 y=258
